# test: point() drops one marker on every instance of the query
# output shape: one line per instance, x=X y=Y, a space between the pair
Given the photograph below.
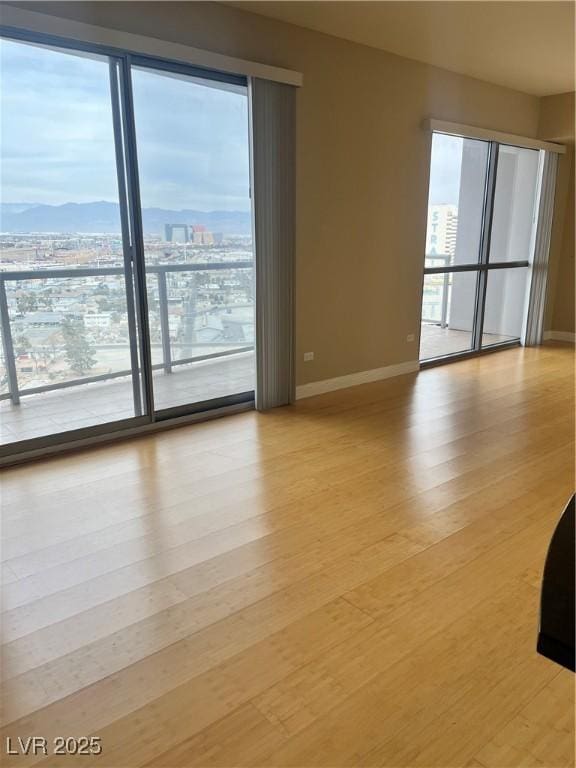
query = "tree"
x=79 y=348
x=26 y=302
x=22 y=345
x=45 y=300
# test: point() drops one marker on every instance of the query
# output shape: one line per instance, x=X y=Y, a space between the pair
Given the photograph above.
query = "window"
x=68 y=311
x=455 y=201
x=482 y=207
x=193 y=160
x=126 y=274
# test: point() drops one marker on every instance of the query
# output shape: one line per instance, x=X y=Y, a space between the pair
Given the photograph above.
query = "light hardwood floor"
x=352 y=581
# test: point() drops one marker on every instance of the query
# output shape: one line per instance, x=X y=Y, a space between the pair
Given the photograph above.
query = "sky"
x=57 y=140
x=445 y=165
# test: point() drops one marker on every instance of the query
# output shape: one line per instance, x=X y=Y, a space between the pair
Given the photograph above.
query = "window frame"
x=121 y=62
x=483 y=266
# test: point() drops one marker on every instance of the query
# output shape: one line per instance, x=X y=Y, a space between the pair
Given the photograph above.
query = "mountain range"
x=105 y=217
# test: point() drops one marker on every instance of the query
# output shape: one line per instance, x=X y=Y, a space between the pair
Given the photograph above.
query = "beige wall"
x=556 y=119
x=563 y=298
x=362 y=168
x=556 y=123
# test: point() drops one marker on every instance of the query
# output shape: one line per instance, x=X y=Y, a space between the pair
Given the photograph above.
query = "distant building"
x=442 y=230
x=198 y=234
x=176 y=233
x=201 y=236
x=188 y=233
x=24 y=363
x=44 y=319
x=98 y=320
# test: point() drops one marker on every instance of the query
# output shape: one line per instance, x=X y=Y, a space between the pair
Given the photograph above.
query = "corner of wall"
x=556 y=123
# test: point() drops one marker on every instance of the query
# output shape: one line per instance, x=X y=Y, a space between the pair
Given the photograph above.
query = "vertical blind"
x=534 y=329
x=273 y=181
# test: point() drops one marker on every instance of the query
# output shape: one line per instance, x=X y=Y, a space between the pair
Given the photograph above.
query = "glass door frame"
x=482 y=267
x=148 y=62
x=146 y=417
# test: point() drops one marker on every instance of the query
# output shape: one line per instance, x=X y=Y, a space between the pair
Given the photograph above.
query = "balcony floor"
x=88 y=405
x=438 y=342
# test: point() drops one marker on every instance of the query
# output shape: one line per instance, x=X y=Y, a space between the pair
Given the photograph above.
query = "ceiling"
x=525 y=45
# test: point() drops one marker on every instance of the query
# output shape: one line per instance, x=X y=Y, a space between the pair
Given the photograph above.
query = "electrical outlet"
x=308 y=356
x=410 y=337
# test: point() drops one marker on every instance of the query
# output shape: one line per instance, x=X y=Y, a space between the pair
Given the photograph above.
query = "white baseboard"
x=559 y=336
x=353 y=379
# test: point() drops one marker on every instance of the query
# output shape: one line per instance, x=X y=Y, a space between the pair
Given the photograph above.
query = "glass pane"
x=506 y=296
x=69 y=331
x=515 y=197
x=458 y=170
x=448 y=305
x=193 y=158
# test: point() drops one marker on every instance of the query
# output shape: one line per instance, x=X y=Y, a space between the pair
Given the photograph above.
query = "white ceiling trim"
x=485 y=134
x=43 y=23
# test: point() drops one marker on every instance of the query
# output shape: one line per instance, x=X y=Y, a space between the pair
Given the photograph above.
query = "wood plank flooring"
x=351 y=581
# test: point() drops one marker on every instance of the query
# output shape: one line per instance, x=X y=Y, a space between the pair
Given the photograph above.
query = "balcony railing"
x=432 y=303
x=168 y=361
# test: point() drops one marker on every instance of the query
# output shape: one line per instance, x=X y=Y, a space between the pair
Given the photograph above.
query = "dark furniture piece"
x=556 y=636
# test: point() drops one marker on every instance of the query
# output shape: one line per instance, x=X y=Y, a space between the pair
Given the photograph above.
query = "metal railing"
x=443 y=320
x=168 y=362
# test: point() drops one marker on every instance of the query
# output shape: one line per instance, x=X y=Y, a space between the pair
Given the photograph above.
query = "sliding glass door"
x=458 y=176
x=513 y=231
x=127 y=270
x=480 y=238
x=194 y=168
x=70 y=353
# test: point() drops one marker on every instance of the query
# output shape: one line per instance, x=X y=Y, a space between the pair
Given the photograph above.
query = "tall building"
x=176 y=233
x=201 y=236
x=188 y=233
x=442 y=230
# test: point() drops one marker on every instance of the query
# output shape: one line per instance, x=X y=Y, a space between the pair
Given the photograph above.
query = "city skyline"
x=103 y=217
x=192 y=138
